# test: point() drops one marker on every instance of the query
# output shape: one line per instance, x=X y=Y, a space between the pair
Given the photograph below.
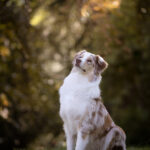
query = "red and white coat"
x=87 y=124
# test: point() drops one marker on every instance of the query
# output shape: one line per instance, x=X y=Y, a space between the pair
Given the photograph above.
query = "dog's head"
x=87 y=62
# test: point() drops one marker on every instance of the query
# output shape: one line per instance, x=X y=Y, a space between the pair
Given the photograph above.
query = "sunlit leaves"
x=36 y=51
x=38 y=17
x=98 y=7
x=4 y=51
x=4 y=100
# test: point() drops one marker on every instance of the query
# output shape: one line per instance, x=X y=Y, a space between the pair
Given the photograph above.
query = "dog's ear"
x=78 y=55
x=100 y=65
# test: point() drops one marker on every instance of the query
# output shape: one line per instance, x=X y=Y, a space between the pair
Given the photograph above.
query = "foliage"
x=38 y=40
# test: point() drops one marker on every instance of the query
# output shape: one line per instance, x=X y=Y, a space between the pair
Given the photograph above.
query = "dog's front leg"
x=82 y=141
x=70 y=137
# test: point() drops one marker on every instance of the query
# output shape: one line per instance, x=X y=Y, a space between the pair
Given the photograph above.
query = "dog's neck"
x=81 y=85
x=90 y=75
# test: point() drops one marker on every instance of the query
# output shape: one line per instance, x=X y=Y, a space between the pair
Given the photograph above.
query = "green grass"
x=62 y=148
x=138 y=148
x=129 y=148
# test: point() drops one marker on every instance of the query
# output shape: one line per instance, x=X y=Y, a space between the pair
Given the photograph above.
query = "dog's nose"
x=78 y=61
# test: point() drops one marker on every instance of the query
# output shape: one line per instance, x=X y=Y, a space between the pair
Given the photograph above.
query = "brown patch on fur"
x=108 y=122
x=79 y=54
x=97 y=99
x=88 y=124
x=100 y=113
x=105 y=128
x=92 y=125
x=121 y=130
x=103 y=134
x=100 y=66
x=113 y=146
x=84 y=135
x=118 y=138
x=93 y=114
x=101 y=130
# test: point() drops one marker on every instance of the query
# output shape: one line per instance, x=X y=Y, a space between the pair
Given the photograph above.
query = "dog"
x=87 y=123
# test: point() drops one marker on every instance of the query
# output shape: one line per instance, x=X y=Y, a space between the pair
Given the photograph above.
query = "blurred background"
x=38 y=39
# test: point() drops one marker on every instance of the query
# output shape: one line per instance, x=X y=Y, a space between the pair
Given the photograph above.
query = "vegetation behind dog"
x=38 y=40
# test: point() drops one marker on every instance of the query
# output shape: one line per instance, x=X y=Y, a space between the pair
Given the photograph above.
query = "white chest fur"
x=75 y=95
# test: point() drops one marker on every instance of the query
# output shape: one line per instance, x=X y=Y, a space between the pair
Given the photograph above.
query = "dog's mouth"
x=81 y=68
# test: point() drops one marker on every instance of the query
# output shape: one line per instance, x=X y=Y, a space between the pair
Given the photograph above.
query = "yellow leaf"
x=3 y=100
x=4 y=51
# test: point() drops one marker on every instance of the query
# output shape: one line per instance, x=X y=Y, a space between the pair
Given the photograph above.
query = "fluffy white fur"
x=83 y=113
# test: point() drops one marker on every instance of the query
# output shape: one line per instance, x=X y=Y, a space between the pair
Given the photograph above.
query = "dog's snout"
x=78 y=61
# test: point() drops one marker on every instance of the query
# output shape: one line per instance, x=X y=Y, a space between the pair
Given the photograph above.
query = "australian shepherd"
x=87 y=123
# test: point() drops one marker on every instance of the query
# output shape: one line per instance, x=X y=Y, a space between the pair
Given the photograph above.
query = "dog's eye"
x=89 y=61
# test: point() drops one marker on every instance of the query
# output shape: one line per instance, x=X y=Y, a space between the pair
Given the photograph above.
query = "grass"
x=138 y=148
x=63 y=148
x=129 y=148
